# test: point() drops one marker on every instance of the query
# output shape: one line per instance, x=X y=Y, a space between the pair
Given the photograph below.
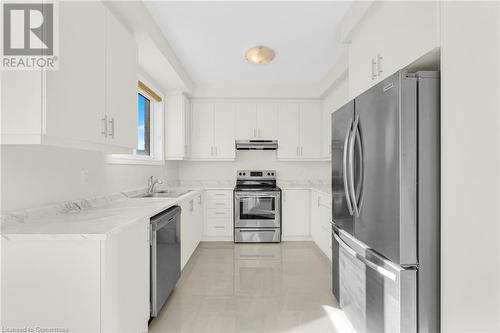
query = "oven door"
x=257 y=209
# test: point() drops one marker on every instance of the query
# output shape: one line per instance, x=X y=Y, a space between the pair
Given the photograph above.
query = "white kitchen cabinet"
x=224 y=134
x=310 y=130
x=99 y=285
x=191 y=226
x=202 y=130
x=295 y=214
x=299 y=131
x=267 y=121
x=177 y=125
x=246 y=121
x=68 y=107
x=121 y=84
x=288 y=131
x=391 y=36
x=256 y=121
x=75 y=94
x=218 y=215
x=321 y=211
x=213 y=131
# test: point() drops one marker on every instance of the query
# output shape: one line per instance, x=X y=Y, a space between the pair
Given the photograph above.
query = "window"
x=143 y=125
x=149 y=148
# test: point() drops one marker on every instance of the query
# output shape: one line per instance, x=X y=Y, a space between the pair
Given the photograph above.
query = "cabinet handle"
x=191 y=205
x=220 y=204
x=220 y=213
x=301 y=151
x=219 y=227
x=319 y=201
x=374 y=76
x=254 y=132
x=112 y=132
x=212 y=151
x=104 y=130
x=379 y=67
x=216 y=153
x=259 y=134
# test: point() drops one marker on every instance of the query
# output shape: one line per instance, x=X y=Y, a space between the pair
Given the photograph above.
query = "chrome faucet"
x=151 y=184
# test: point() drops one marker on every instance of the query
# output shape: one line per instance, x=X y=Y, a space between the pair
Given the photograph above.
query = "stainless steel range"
x=257 y=207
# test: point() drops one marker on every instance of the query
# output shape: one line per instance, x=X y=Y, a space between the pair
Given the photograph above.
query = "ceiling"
x=210 y=39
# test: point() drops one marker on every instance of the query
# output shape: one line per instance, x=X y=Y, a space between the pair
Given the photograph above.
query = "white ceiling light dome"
x=260 y=55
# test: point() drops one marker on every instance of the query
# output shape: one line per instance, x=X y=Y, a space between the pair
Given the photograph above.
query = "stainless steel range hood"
x=256 y=144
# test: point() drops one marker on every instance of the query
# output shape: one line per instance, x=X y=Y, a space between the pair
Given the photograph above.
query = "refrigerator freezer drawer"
x=376 y=295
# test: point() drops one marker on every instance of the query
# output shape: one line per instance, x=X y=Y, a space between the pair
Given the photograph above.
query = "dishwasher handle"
x=161 y=220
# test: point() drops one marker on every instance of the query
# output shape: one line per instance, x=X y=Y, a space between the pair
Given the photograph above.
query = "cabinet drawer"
x=220 y=195
x=219 y=203
x=220 y=213
x=219 y=227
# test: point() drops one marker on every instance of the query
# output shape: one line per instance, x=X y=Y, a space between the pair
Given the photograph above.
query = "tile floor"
x=228 y=287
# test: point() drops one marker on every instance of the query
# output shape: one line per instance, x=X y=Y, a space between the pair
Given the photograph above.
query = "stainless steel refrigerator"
x=385 y=205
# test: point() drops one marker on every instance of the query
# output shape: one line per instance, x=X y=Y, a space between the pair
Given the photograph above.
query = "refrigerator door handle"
x=352 y=140
x=345 y=172
x=359 y=188
x=379 y=269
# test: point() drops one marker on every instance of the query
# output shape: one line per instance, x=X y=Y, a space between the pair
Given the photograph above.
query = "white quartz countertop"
x=96 y=223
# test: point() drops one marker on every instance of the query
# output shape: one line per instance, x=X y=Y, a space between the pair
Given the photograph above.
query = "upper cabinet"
x=177 y=124
x=299 y=131
x=391 y=36
x=90 y=102
x=121 y=84
x=256 y=121
x=213 y=128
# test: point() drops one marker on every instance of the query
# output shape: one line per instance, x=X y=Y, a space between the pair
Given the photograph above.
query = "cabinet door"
x=315 y=218
x=202 y=130
x=310 y=130
x=21 y=115
x=267 y=121
x=187 y=231
x=175 y=127
x=121 y=84
x=76 y=93
x=187 y=127
x=246 y=121
x=295 y=213
x=224 y=117
x=288 y=131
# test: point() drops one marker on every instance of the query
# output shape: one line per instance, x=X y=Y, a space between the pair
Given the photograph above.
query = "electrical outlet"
x=84 y=177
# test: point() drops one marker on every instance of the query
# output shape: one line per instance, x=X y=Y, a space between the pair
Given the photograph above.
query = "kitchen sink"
x=163 y=194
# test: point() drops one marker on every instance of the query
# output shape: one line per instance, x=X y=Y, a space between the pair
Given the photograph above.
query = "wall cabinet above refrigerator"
x=390 y=36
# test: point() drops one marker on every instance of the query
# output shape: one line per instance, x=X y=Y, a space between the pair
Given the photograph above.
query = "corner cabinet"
x=391 y=36
x=177 y=125
x=191 y=226
x=213 y=131
x=90 y=101
x=299 y=131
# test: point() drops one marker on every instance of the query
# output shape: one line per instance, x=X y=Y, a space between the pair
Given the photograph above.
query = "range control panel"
x=255 y=174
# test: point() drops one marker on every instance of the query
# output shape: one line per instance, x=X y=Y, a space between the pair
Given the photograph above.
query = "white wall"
x=470 y=167
x=37 y=175
x=253 y=160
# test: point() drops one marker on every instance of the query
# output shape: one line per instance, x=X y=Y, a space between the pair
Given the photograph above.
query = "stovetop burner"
x=256 y=180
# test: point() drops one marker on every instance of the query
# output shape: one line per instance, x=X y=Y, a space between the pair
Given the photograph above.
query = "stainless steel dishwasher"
x=165 y=256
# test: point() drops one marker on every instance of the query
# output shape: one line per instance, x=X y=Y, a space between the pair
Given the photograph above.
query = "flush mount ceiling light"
x=260 y=55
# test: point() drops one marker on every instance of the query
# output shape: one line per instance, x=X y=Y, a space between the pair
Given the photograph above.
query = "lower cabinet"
x=191 y=226
x=84 y=285
x=219 y=215
x=295 y=214
x=321 y=211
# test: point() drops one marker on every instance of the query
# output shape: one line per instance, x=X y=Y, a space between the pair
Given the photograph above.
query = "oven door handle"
x=256 y=195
